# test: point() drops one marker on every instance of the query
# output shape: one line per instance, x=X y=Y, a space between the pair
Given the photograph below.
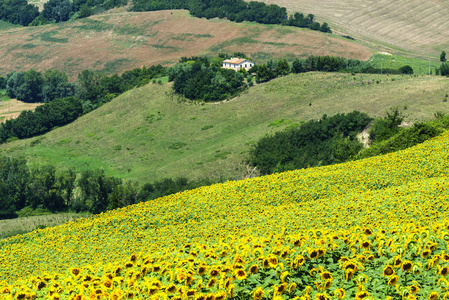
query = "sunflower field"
x=371 y=229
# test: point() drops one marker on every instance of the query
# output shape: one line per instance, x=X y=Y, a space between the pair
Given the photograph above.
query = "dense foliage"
x=196 y=79
x=93 y=90
x=18 y=12
x=55 y=11
x=372 y=229
x=32 y=86
x=44 y=188
x=45 y=117
x=323 y=142
x=235 y=10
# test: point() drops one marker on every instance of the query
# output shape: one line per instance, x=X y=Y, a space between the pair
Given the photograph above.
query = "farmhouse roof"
x=234 y=60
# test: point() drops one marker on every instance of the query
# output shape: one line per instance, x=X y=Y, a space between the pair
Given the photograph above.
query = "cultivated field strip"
x=412 y=25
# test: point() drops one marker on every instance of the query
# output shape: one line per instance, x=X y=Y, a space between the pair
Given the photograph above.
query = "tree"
x=282 y=67
x=299 y=66
x=406 y=69
x=57 y=10
x=443 y=56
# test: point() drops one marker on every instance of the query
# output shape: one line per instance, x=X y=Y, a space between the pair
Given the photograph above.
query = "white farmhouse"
x=236 y=63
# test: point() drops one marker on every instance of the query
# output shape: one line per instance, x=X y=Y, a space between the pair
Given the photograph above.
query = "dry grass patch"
x=120 y=41
x=11 y=109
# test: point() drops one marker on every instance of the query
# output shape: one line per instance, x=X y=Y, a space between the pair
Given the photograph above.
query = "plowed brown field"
x=115 y=42
x=403 y=27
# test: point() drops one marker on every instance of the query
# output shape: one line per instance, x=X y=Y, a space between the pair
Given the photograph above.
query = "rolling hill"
x=409 y=27
x=119 y=41
x=146 y=134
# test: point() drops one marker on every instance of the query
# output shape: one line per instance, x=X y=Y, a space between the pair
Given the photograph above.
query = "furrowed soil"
x=407 y=27
x=119 y=41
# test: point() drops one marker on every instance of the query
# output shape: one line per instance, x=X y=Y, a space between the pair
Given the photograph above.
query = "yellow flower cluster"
x=371 y=229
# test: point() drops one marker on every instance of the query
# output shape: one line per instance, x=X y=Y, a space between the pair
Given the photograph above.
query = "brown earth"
x=120 y=41
x=407 y=27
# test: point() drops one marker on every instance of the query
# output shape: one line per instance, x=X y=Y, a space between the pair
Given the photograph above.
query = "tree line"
x=47 y=189
x=64 y=101
x=54 y=11
x=235 y=10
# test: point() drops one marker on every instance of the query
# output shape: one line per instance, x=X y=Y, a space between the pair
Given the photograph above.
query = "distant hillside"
x=147 y=135
x=407 y=27
x=115 y=42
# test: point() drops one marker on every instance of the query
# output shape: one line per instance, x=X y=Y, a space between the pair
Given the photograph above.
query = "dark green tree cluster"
x=444 y=69
x=32 y=86
x=44 y=188
x=235 y=10
x=18 y=12
x=196 y=79
x=326 y=141
x=57 y=113
x=55 y=11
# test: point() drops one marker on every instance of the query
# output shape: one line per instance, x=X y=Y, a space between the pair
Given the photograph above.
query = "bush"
x=383 y=129
x=406 y=69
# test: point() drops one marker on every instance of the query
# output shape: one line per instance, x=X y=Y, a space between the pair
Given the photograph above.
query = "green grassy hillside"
x=147 y=135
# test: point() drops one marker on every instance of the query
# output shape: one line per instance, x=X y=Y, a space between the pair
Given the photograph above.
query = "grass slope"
x=147 y=135
x=376 y=227
x=410 y=27
x=119 y=41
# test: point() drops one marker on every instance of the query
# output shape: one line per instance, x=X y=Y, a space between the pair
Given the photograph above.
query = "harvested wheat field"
x=401 y=26
x=121 y=41
x=11 y=109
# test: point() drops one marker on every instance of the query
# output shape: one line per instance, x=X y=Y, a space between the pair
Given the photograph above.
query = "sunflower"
x=202 y=269
x=407 y=266
x=181 y=276
x=176 y=298
x=349 y=265
x=313 y=254
x=393 y=280
x=443 y=271
x=200 y=297
x=414 y=289
x=75 y=271
x=171 y=288
x=367 y=231
x=433 y=296
x=388 y=271
x=426 y=253
x=292 y=287
x=253 y=269
x=280 y=289
x=211 y=282
x=220 y=295
x=266 y=263
x=299 y=261
x=349 y=273
x=365 y=245
x=326 y=275
x=214 y=271
x=361 y=295
x=327 y=284
x=231 y=291
x=340 y=293
x=240 y=274
x=190 y=293
x=397 y=262
x=189 y=279
x=21 y=296
x=258 y=293
x=322 y=296
x=273 y=260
